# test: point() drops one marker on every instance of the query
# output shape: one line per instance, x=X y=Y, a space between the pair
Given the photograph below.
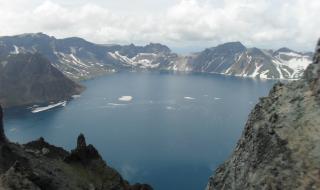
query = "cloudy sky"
x=184 y=25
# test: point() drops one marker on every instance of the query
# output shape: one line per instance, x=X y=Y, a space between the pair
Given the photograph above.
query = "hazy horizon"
x=183 y=25
x=179 y=50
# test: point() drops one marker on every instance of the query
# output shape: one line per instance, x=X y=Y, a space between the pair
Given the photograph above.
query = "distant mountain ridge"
x=80 y=59
x=237 y=60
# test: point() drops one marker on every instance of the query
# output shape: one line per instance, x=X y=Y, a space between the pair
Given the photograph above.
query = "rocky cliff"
x=38 y=165
x=28 y=78
x=280 y=145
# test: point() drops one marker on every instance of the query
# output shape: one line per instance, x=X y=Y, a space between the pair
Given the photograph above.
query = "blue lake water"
x=173 y=134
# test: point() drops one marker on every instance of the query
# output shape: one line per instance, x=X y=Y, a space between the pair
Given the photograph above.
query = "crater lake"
x=168 y=130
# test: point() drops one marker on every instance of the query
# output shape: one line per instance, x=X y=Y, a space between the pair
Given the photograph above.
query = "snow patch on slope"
x=141 y=60
x=297 y=62
x=256 y=71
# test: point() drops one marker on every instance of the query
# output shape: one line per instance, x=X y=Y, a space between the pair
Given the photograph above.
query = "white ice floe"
x=13 y=130
x=114 y=104
x=33 y=107
x=216 y=98
x=125 y=98
x=170 y=108
x=76 y=96
x=189 y=98
x=41 y=109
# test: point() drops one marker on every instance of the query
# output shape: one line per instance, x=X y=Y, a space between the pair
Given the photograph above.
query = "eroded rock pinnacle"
x=2 y=134
x=81 y=142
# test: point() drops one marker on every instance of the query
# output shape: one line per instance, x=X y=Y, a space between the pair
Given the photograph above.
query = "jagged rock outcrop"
x=280 y=145
x=38 y=165
x=83 y=153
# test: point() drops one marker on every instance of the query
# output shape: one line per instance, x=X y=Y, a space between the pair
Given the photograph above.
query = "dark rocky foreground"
x=280 y=145
x=38 y=165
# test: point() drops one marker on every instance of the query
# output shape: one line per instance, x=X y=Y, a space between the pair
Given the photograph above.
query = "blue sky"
x=185 y=25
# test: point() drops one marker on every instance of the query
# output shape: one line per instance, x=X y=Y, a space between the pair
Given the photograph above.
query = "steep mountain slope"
x=80 y=59
x=152 y=56
x=218 y=59
x=292 y=63
x=30 y=78
x=76 y=57
x=235 y=59
x=280 y=145
x=38 y=165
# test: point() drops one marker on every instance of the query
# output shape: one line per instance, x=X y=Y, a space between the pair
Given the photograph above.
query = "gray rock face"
x=30 y=79
x=317 y=54
x=218 y=59
x=280 y=145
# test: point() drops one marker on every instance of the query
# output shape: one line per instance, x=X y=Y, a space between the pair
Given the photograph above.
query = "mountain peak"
x=33 y=35
x=284 y=50
x=258 y=52
x=231 y=46
x=157 y=47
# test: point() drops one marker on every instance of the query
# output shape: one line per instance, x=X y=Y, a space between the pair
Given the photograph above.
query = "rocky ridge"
x=79 y=59
x=280 y=145
x=38 y=165
x=237 y=60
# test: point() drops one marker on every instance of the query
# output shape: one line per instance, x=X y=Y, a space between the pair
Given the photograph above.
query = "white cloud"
x=262 y=23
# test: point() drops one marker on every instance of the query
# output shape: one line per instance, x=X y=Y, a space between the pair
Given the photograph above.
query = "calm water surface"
x=172 y=135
